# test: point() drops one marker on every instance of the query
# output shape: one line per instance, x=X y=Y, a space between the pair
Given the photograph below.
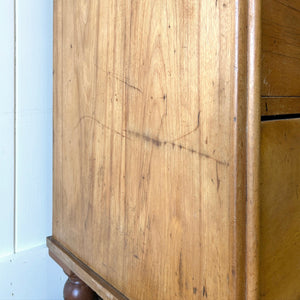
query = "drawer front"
x=274 y=106
x=280 y=210
x=281 y=48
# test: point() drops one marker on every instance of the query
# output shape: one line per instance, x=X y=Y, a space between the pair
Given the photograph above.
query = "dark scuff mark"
x=194 y=290
x=218 y=178
x=180 y=274
x=165 y=98
x=204 y=292
x=266 y=106
x=159 y=143
x=152 y=140
x=135 y=256
x=156 y=142
x=216 y=3
x=233 y=272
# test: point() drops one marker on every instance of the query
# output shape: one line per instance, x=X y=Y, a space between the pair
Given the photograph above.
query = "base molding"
x=72 y=265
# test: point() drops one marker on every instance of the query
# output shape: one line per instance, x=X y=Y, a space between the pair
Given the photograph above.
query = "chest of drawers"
x=166 y=183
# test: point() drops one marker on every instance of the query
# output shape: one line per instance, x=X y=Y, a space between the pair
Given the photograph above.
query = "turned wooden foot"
x=76 y=289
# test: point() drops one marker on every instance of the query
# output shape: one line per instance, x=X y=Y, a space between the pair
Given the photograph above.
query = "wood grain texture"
x=271 y=106
x=150 y=144
x=253 y=152
x=239 y=152
x=280 y=210
x=280 y=48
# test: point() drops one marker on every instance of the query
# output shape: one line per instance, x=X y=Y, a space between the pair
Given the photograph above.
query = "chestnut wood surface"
x=147 y=185
x=150 y=164
x=280 y=210
x=280 y=48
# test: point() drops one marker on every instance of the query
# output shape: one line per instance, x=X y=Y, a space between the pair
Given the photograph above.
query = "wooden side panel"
x=280 y=48
x=143 y=144
x=280 y=210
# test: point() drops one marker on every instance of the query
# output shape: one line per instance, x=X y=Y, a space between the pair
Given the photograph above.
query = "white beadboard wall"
x=7 y=127
x=26 y=271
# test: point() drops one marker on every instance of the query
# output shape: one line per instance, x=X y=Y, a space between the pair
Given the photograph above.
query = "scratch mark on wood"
x=126 y=81
x=100 y=124
x=190 y=132
x=149 y=139
x=128 y=84
x=289 y=6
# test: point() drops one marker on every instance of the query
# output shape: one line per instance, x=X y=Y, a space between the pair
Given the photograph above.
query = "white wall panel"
x=33 y=122
x=34 y=177
x=7 y=127
x=29 y=275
